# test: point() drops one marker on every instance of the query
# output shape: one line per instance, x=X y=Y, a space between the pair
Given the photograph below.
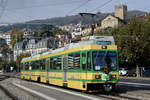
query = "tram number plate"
x=105 y=77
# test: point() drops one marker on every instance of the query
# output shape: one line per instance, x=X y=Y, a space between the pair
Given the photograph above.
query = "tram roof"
x=35 y=57
x=92 y=40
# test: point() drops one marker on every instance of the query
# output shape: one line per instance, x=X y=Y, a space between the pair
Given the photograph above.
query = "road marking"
x=69 y=92
x=135 y=83
x=130 y=85
x=138 y=86
x=35 y=92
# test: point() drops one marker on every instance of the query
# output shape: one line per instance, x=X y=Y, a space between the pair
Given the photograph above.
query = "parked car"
x=123 y=71
x=1 y=71
x=131 y=72
x=146 y=73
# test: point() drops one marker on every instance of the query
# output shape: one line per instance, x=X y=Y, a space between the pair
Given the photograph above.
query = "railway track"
x=105 y=96
x=115 y=96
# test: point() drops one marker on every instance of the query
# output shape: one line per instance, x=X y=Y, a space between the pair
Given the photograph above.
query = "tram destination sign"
x=103 y=42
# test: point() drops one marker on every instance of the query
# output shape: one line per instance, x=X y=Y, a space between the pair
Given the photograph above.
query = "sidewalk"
x=139 y=78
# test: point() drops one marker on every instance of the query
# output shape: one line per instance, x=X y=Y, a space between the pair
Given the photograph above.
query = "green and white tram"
x=88 y=65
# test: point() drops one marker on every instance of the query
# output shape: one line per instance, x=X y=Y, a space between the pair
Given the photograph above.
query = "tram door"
x=30 y=70
x=23 y=65
x=65 y=67
x=84 y=63
x=47 y=68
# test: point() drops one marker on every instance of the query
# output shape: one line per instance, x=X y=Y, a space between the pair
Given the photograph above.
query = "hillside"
x=57 y=21
x=69 y=19
x=134 y=13
x=85 y=20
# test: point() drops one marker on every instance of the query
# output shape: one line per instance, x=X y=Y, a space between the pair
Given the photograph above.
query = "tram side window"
x=35 y=65
x=70 y=61
x=26 y=66
x=51 y=63
x=55 y=63
x=31 y=67
x=74 y=61
x=88 y=61
x=59 y=62
x=42 y=64
x=84 y=61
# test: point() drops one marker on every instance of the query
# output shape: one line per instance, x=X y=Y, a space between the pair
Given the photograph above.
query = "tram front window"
x=104 y=58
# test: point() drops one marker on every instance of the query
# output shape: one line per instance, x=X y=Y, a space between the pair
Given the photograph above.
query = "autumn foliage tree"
x=16 y=36
x=20 y=57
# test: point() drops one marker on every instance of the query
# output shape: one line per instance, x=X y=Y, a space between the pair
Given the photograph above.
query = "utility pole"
x=17 y=53
x=92 y=25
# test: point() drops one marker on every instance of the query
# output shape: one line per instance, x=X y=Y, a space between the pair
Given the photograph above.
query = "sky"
x=12 y=11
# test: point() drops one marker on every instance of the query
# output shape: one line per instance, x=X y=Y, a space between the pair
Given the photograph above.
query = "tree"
x=16 y=36
x=20 y=57
x=133 y=42
x=37 y=34
x=47 y=31
x=5 y=49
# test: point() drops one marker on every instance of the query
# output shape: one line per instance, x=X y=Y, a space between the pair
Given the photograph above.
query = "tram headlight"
x=97 y=76
x=104 y=47
x=113 y=76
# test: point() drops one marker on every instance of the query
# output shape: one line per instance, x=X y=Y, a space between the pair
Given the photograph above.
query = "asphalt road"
x=48 y=92
x=124 y=86
x=133 y=85
x=58 y=93
x=135 y=80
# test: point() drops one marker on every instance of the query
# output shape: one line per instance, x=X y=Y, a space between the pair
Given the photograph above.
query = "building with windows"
x=31 y=46
x=116 y=20
x=63 y=39
x=46 y=44
x=34 y=46
x=111 y=21
x=28 y=33
x=19 y=48
x=2 y=42
x=6 y=36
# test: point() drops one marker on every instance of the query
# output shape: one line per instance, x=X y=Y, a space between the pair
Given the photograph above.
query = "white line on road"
x=135 y=83
x=69 y=92
x=138 y=86
x=35 y=92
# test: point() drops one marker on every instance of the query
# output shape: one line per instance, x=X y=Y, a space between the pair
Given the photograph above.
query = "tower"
x=121 y=12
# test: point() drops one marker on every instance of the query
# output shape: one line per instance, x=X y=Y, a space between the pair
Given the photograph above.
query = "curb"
x=8 y=93
x=138 y=78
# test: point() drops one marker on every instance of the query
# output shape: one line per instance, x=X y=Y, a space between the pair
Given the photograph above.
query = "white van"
x=123 y=71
